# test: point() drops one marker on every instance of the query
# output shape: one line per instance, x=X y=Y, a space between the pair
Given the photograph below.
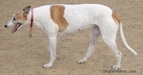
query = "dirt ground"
x=21 y=55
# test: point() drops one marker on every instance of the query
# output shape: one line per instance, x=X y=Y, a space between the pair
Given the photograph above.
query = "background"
x=21 y=55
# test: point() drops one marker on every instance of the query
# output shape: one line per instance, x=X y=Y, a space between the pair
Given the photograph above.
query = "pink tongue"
x=15 y=28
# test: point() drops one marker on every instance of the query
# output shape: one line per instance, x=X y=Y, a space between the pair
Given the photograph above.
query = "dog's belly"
x=73 y=29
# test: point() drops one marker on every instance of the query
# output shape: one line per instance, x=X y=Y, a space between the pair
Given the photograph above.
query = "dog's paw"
x=116 y=67
x=47 y=65
x=81 y=61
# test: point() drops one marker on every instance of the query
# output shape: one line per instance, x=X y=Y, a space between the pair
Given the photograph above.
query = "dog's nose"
x=5 y=26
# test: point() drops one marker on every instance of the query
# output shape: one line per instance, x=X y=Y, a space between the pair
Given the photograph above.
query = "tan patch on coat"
x=57 y=15
x=116 y=18
x=20 y=17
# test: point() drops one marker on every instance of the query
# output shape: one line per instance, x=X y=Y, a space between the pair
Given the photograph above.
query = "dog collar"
x=31 y=24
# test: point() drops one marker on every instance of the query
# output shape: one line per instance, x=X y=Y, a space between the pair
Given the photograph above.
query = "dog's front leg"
x=52 y=50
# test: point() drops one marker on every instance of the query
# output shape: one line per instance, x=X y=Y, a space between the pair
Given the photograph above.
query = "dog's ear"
x=26 y=9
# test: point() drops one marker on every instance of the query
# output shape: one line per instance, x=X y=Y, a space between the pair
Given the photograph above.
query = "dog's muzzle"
x=16 y=27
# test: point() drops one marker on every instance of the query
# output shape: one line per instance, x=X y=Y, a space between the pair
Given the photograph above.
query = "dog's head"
x=19 y=19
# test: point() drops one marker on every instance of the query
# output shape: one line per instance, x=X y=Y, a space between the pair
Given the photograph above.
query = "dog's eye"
x=14 y=19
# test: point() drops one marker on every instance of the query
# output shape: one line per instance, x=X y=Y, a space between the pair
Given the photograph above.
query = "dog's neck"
x=33 y=18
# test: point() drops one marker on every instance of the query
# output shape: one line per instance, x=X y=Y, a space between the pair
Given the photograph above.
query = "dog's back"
x=84 y=16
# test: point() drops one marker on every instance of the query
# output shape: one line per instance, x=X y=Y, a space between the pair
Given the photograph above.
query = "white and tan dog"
x=58 y=20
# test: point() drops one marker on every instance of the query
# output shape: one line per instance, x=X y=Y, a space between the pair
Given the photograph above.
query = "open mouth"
x=16 y=27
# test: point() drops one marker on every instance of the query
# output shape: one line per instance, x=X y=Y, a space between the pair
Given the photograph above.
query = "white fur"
x=79 y=17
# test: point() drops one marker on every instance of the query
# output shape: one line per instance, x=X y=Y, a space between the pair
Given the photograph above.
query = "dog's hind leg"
x=109 y=31
x=95 y=32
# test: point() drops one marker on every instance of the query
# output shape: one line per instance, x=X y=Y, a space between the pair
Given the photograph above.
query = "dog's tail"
x=124 y=40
